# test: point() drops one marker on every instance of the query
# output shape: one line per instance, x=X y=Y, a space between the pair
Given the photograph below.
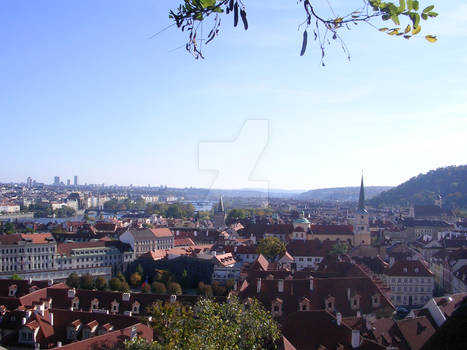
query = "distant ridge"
x=342 y=194
x=423 y=189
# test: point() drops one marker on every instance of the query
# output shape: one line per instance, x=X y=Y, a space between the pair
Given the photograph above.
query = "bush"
x=73 y=281
x=124 y=287
x=115 y=283
x=204 y=289
x=145 y=288
x=174 y=288
x=135 y=279
x=101 y=283
x=158 y=288
x=86 y=281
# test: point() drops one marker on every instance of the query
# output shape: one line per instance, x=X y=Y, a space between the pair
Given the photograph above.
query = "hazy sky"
x=84 y=91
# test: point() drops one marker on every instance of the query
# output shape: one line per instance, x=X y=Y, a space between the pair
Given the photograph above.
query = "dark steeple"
x=361 y=200
x=220 y=207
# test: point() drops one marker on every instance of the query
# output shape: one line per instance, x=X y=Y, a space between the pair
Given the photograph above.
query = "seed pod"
x=243 y=15
x=235 y=14
x=305 y=40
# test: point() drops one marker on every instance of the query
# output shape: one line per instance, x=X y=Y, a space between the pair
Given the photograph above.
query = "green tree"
x=340 y=248
x=204 y=290
x=86 y=281
x=174 y=288
x=135 y=279
x=121 y=277
x=174 y=211
x=145 y=288
x=271 y=248
x=158 y=288
x=8 y=228
x=217 y=289
x=185 y=281
x=404 y=19
x=235 y=214
x=124 y=287
x=73 y=280
x=101 y=283
x=115 y=284
x=15 y=276
x=229 y=325
x=64 y=212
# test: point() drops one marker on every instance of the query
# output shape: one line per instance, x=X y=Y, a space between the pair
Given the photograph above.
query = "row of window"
x=28 y=250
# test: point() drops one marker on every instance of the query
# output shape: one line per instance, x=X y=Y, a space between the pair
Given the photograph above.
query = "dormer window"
x=405 y=269
x=75 y=303
x=355 y=302
x=114 y=306
x=94 y=304
x=276 y=308
x=12 y=290
x=376 y=300
x=330 y=303
x=135 y=307
x=304 y=305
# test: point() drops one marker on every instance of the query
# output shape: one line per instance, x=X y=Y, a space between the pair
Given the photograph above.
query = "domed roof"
x=301 y=221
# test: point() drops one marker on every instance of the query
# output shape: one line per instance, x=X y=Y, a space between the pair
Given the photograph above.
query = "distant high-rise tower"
x=219 y=214
x=29 y=182
x=68 y=182
x=57 y=180
x=75 y=182
x=361 y=227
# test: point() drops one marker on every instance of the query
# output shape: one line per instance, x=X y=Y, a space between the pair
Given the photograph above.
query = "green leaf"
x=415 y=5
x=401 y=5
x=428 y=9
x=432 y=14
x=410 y=5
x=207 y=3
x=395 y=19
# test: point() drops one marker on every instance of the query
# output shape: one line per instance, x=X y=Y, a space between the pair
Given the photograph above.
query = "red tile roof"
x=413 y=268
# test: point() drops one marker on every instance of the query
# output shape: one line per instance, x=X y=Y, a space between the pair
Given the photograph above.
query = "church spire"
x=220 y=207
x=361 y=199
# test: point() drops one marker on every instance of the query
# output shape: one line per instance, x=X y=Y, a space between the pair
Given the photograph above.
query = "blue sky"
x=85 y=91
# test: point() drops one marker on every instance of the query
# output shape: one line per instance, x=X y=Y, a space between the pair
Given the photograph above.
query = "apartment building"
x=27 y=252
x=411 y=283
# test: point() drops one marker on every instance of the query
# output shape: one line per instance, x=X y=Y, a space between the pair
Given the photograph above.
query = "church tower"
x=361 y=224
x=219 y=214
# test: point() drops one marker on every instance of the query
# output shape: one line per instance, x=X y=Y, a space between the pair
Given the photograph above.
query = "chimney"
x=391 y=261
x=71 y=293
x=23 y=321
x=355 y=338
x=50 y=282
x=30 y=280
x=126 y=296
x=235 y=286
x=348 y=293
x=311 y=283
x=51 y=318
x=280 y=286
x=173 y=298
x=59 y=344
x=258 y=285
x=133 y=332
x=28 y=314
x=359 y=314
x=339 y=318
